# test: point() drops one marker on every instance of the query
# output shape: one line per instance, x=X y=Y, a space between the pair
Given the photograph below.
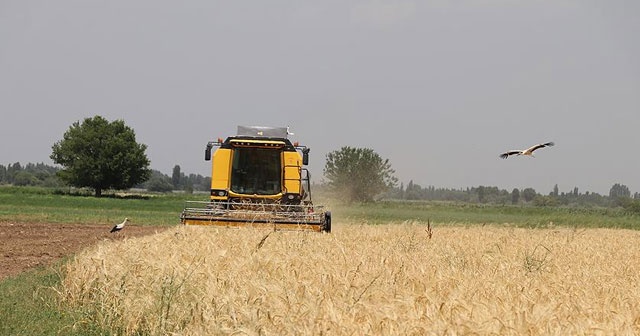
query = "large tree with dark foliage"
x=358 y=174
x=101 y=155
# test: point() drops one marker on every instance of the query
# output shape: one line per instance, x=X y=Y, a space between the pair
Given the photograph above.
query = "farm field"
x=361 y=280
x=28 y=245
x=502 y=269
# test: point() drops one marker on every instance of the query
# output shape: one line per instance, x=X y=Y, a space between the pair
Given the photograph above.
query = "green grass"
x=27 y=301
x=28 y=306
x=471 y=214
x=39 y=205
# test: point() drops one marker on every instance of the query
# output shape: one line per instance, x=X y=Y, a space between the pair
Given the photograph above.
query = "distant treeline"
x=43 y=175
x=40 y=174
x=618 y=195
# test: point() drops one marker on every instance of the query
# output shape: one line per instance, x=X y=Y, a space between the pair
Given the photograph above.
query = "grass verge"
x=28 y=306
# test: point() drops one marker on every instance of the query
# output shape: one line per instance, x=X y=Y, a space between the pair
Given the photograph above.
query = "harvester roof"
x=263 y=131
x=260 y=136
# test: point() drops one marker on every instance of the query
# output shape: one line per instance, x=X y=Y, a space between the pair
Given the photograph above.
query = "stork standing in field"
x=120 y=226
x=527 y=152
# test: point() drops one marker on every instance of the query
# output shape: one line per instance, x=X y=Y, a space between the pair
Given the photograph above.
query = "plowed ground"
x=27 y=245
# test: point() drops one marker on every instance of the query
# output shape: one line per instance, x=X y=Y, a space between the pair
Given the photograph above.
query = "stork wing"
x=507 y=154
x=531 y=149
x=118 y=227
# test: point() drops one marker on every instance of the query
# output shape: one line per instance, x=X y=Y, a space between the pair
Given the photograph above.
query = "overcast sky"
x=438 y=87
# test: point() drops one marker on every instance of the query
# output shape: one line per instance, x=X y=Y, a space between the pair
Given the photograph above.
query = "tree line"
x=177 y=181
x=43 y=175
x=361 y=175
x=493 y=195
x=38 y=174
x=103 y=155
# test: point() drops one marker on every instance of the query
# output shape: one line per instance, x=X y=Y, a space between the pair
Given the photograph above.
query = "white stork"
x=528 y=151
x=120 y=226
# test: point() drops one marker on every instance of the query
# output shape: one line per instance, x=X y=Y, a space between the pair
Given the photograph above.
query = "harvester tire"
x=326 y=227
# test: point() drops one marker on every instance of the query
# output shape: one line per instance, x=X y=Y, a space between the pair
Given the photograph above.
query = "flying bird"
x=528 y=151
x=120 y=226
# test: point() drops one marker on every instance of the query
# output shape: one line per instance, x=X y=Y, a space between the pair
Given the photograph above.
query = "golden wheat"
x=397 y=279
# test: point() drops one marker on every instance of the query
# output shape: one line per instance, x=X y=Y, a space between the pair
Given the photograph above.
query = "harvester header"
x=258 y=179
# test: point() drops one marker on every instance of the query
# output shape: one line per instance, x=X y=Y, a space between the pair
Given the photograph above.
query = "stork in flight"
x=120 y=226
x=528 y=151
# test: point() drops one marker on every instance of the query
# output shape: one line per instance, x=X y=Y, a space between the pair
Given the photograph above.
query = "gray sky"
x=438 y=87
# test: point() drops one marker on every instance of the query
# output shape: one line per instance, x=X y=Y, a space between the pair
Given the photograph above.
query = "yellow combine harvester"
x=258 y=179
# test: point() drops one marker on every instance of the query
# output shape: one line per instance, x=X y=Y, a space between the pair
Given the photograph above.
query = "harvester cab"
x=258 y=178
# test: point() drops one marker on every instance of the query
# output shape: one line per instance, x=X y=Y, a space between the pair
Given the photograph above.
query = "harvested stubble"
x=375 y=280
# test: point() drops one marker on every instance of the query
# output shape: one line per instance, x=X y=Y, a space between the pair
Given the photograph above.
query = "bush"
x=159 y=184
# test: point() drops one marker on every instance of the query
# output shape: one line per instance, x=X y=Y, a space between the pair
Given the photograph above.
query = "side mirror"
x=207 y=152
x=305 y=156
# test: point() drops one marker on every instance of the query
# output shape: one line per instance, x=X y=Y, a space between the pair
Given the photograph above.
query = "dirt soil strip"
x=24 y=246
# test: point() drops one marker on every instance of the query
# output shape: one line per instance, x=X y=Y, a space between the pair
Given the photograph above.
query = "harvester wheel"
x=326 y=227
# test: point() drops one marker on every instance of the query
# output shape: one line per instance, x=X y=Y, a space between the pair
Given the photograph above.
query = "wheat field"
x=395 y=279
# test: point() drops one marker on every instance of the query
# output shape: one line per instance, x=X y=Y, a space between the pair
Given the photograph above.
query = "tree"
x=412 y=192
x=528 y=194
x=481 y=194
x=101 y=155
x=619 y=190
x=159 y=182
x=12 y=170
x=3 y=174
x=358 y=174
x=23 y=178
x=515 y=196
x=176 y=177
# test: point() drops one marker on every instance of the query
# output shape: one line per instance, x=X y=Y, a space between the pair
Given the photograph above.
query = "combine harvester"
x=258 y=180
